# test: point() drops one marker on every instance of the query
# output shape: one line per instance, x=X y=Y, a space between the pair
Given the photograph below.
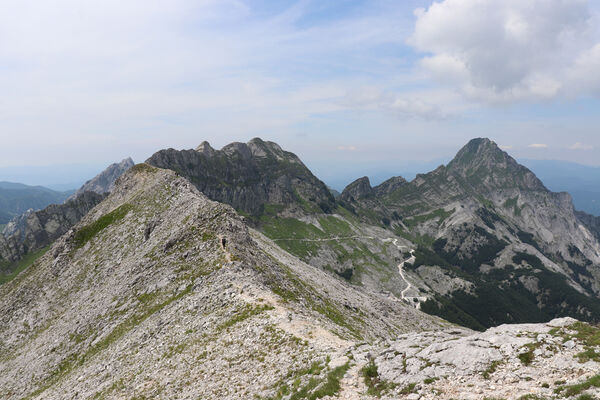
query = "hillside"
x=16 y=198
x=158 y=257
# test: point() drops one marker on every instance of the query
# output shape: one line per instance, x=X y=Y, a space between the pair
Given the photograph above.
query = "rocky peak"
x=105 y=180
x=390 y=185
x=484 y=166
x=249 y=176
x=205 y=148
x=358 y=189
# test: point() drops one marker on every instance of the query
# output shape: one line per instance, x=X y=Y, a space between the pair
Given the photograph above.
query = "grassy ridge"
x=17 y=267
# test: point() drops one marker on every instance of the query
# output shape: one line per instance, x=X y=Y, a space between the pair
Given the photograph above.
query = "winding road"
x=411 y=259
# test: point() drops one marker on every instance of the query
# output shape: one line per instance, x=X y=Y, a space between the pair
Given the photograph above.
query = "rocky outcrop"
x=249 y=176
x=105 y=180
x=35 y=230
x=357 y=190
x=534 y=361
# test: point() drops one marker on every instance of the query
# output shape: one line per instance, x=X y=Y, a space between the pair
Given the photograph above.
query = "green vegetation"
x=586 y=396
x=574 y=390
x=526 y=358
x=408 y=389
x=14 y=269
x=491 y=369
x=143 y=167
x=150 y=306
x=585 y=334
x=375 y=385
x=248 y=311
x=315 y=387
x=490 y=304
x=86 y=233
x=513 y=203
x=440 y=214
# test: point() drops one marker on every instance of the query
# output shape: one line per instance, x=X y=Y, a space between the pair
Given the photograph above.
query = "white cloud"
x=346 y=148
x=538 y=146
x=581 y=146
x=423 y=104
x=509 y=50
x=173 y=72
x=505 y=147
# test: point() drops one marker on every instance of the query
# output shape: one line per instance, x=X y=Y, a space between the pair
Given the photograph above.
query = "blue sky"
x=347 y=85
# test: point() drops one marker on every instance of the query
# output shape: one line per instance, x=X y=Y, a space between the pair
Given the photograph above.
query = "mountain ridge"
x=160 y=292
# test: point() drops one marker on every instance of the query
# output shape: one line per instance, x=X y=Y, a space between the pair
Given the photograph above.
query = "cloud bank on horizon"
x=363 y=81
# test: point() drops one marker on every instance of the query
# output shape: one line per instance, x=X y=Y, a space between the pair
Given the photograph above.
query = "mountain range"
x=16 y=198
x=236 y=273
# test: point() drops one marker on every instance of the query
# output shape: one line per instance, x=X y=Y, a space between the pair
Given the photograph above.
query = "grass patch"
x=408 y=389
x=248 y=311
x=317 y=387
x=143 y=167
x=491 y=369
x=574 y=390
x=526 y=358
x=440 y=214
x=584 y=333
x=375 y=385
x=19 y=266
x=87 y=232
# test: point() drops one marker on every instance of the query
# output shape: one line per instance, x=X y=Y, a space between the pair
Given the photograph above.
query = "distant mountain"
x=509 y=250
x=581 y=181
x=256 y=178
x=105 y=180
x=34 y=230
x=16 y=198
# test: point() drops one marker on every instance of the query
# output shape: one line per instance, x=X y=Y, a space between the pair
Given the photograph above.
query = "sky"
x=353 y=87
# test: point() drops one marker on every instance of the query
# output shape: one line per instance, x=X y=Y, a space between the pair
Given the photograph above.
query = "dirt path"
x=326 y=239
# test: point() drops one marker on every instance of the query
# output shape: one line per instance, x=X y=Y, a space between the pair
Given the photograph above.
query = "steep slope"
x=16 y=198
x=254 y=177
x=33 y=231
x=286 y=202
x=105 y=180
x=493 y=245
x=159 y=292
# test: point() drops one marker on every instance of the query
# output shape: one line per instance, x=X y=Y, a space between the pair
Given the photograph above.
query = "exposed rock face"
x=249 y=176
x=506 y=362
x=357 y=190
x=105 y=180
x=591 y=222
x=491 y=223
x=35 y=230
